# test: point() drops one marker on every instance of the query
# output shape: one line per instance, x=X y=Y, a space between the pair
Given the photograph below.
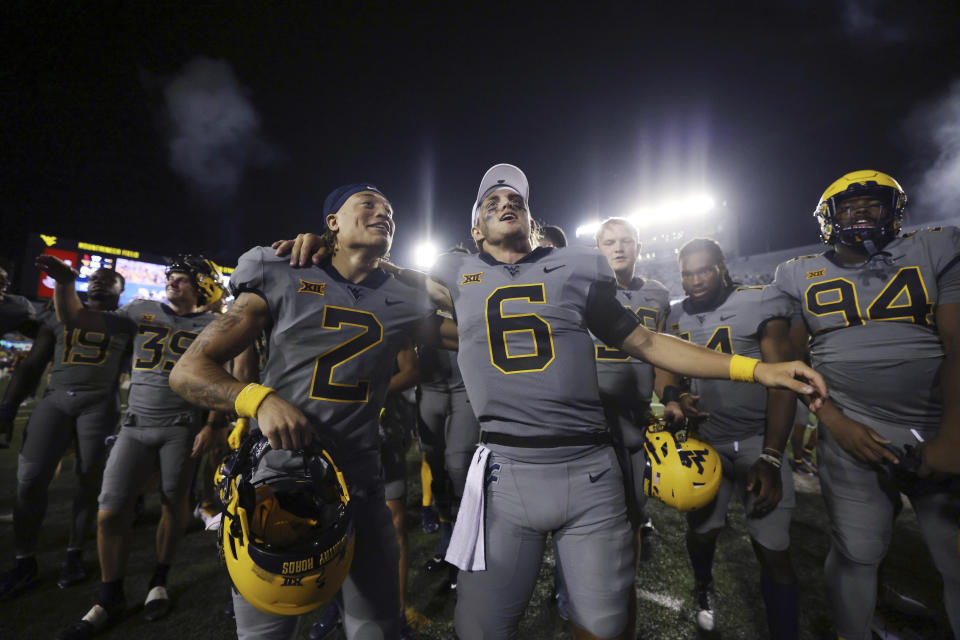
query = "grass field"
x=200 y=588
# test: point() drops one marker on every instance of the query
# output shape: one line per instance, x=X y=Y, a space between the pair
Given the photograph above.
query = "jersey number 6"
x=500 y=324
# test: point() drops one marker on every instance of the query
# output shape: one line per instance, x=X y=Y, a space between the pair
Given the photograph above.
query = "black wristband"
x=671 y=394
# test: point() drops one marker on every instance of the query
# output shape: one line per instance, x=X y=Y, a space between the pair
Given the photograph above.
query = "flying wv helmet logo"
x=688 y=458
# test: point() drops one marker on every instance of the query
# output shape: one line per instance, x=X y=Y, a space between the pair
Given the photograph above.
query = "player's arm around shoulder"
x=940 y=453
x=309 y=249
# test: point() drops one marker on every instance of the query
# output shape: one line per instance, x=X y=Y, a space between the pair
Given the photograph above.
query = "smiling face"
x=502 y=218
x=180 y=290
x=365 y=221
x=620 y=245
x=862 y=212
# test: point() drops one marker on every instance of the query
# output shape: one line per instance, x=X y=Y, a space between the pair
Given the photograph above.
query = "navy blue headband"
x=340 y=195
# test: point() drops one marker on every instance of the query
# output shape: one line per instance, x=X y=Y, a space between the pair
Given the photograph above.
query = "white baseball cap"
x=501 y=176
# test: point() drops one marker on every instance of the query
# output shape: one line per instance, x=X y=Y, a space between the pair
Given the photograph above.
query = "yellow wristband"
x=741 y=368
x=249 y=399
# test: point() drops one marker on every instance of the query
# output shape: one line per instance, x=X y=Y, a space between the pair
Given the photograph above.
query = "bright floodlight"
x=663 y=214
x=425 y=254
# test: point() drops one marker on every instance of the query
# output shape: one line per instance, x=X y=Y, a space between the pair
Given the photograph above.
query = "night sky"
x=208 y=128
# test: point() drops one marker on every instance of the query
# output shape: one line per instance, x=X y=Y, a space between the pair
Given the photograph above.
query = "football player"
x=159 y=429
x=330 y=330
x=528 y=363
x=80 y=402
x=16 y=314
x=883 y=314
x=626 y=384
x=748 y=426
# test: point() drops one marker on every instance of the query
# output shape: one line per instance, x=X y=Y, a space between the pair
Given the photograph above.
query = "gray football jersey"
x=332 y=344
x=872 y=328
x=85 y=360
x=14 y=311
x=737 y=410
x=618 y=374
x=526 y=355
x=160 y=337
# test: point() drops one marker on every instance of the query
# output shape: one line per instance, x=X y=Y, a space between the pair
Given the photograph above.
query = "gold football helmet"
x=862 y=183
x=205 y=275
x=682 y=472
x=287 y=538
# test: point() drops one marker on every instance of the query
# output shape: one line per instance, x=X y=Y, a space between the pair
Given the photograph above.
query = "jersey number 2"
x=323 y=387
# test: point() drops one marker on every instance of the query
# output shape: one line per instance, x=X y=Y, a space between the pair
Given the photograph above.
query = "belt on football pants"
x=545 y=442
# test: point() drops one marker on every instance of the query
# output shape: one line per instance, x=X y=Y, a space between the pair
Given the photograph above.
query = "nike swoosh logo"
x=549 y=269
x=594 y=478
x=390 y=302
x=725 y=318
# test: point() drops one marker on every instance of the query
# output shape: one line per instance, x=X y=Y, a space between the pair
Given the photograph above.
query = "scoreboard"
x=144 y=273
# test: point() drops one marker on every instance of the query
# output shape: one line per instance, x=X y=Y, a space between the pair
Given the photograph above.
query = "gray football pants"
x=371 y=596
x=582 y=503
x=137 y=454
x=449 y=433
x=59 y=417
x=772 y=529
x=863 y=502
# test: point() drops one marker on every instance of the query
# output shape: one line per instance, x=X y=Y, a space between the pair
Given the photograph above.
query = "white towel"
x=466 y=550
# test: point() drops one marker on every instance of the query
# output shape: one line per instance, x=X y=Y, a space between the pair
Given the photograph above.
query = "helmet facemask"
x=871 y=239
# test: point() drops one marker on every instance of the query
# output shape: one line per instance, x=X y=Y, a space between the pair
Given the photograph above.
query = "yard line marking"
x=660 y=599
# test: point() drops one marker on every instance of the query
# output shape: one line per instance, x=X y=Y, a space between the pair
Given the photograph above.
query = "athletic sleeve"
x=606 y=317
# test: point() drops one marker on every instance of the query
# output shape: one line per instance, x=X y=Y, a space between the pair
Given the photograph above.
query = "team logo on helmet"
x=681 y=471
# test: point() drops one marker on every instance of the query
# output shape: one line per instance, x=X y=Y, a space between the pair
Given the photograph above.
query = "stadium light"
x=425 y=254
x=665 y=213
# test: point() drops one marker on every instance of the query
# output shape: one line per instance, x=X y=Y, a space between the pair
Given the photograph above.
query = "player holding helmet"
x=527 y=360
x=883 y=314
x=332 y=333
x=748 y=427
x=159 y=428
